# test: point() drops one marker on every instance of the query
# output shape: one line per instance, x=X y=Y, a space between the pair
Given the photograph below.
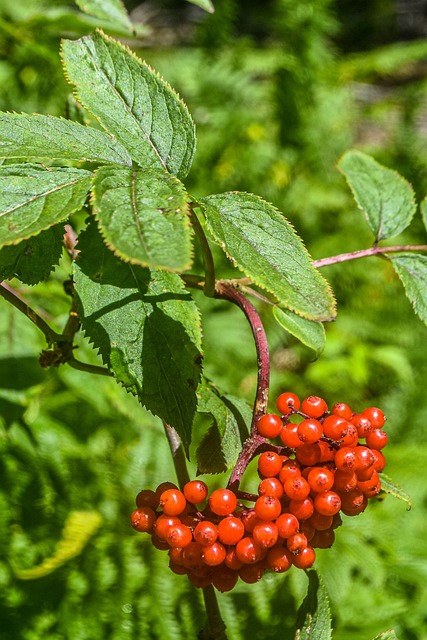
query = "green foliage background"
x=278 y=90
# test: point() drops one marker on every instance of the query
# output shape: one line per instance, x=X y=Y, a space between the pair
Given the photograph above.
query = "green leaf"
x=143 y=217
x=387 y=199
x=220 y=447
x=310 y=333
x=393 y=489
x=32 y=260
x=314 y=617
x=112 y=10
x=37 y=136
x=262 y=243
x=412 y=270
x=390 y=634
x=33 y=198
x=203 y=4
x=132 y=102
x=79 y=527
x=146 y=327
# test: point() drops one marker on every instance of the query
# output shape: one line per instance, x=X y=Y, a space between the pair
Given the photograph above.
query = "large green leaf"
x=262 y=243
x=311 y=333
x=112 y=10
x=314 y=617
x=143 y=217
x=412 y=270
x=32 y=260
x=146 y=327
x=37 y=136
x=132 y=102
x=222 y=443
x=387 y=199
x=33 y=198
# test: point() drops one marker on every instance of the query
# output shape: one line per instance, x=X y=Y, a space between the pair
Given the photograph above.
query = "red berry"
x=222 y=502
x=296 y=488
x=290 y=469
x=344 y=480
x=179 y=535
x=249 y=551
x=163 y=524
x=305 y=558
x=268 y=507
x=287 y=402
x=269 y=464
x=172 y=502
x=251 y=573
x=362 y=424
x=205 y=533
x=320 y=522
x=310 y=431
x=269 y=425
x=249 y=519
x=231 y=559
x=214 y=554
x=230 y=530
x=335 y=427
x=271 y=487
x=302 y=509
x=224 y=579
x=346 y=459
x=143 y=519
x=287 y=525
x=376 y=417
x=323 y=539
x=380 y=461
x=365 y=458
x=266 y=534
x=195 y=491
x=297 y=543
x=309 y=454
x=377 y=439
x=327 y=503
x=147 y=498
x=320 y=479
x=314 y=406
x=343 y=410
x=289 y=436
x=279 y=559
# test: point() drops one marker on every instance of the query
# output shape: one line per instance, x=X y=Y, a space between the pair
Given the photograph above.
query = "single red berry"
x=287 y=525
x=353 y=502
x=201 y=582
x=305 y=558
x=380 y=461
x=230 y=530
x=224 y=579
x=297 y=543
x=376 y=417
x=367 y=485
x=323 y=539
x=249 y=551
x=362 y=424
x=195 y=491
x=377 y=439
x=268 y=507
x=251 y=573
x=231 y=559
x=343 y=410
x=307 y=529
x=172 y=502
x=287 y=402
x=249 y=519
x=327 y=503
x=179 y=535
x=314 y=406
x=271 y=487
x=309 y=454
x=163 y=486
x=320 y=479
x=310 y=430
x=222 y=502
x=269 y=464
x=296 y=488
x=279 y=559
x=266 y=534
x=205 y=533
x=143 y=519
x=346 y=459
x=302 y=509
x=159 y=543
x=179 y=569
x=365 y=458
x=214 y=554
x=269 y=425
x=290 y=469
x=147 y=498
x=320 y=522
x=351 y=438
x=327 y=451
x=289 y=436
x=335 y=427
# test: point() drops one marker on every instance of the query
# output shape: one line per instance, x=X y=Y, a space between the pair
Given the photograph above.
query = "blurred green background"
x=278 y=90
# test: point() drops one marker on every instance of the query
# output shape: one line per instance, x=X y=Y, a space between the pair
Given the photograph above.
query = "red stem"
x=363 y=253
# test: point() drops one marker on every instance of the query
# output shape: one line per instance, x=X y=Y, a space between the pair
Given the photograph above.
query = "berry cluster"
x=328 y=462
